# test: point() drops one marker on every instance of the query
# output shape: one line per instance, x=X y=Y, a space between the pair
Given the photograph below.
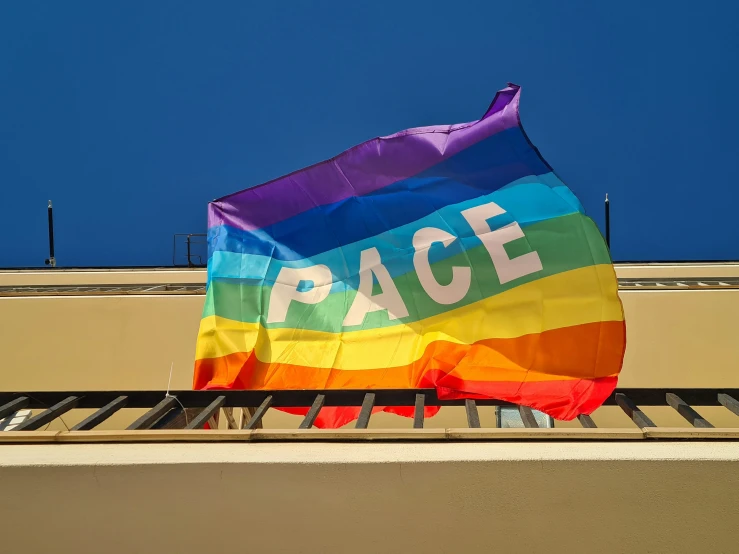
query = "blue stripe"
x=476 y=171
x=528 y=201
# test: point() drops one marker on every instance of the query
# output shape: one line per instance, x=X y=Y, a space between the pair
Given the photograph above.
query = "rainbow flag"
x=446 y=257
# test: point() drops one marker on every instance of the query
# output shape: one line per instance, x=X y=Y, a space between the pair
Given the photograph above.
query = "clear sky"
x=131 y=116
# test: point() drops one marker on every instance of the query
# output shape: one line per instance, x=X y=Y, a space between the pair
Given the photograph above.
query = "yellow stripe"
x=562 y=300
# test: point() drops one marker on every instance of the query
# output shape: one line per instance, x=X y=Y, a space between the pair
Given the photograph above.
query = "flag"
x=447 y=257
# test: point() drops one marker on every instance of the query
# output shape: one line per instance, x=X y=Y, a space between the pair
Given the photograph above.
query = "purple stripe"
x=361 y=170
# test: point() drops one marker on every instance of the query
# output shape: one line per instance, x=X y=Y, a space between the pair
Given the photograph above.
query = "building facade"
x=618 y=488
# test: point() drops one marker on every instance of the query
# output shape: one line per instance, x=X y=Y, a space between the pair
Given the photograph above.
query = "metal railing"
x=631 y=283
x=103 y=290
x=196 y=247
x=191 y=410
x=199 y=288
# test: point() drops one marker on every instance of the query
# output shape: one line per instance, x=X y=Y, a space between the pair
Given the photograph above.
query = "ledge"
x=368 y=435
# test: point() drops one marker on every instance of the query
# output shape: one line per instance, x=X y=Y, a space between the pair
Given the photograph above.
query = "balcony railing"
x=182 y=416
x=629 y=284
x=195 y=251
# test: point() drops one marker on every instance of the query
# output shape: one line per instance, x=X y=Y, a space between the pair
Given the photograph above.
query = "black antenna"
x=51 y=261
x=608 y=222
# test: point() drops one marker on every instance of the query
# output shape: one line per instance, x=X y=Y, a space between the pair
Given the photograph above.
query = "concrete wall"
x=569 y=497
x=365 y=498
x=675 y=339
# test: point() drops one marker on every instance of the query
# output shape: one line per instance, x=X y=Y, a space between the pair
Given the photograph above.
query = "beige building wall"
x=508 y=496
x=674 y=339
x=571 y=498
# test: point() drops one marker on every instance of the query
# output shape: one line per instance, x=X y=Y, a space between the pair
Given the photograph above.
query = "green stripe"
x=563 y=243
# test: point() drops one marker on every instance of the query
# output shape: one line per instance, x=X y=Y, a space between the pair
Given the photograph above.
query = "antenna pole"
x=608 y=222
x=51 y=261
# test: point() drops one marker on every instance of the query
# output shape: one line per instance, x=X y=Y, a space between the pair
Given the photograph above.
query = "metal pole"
x=608 y=222
x=52 y=260
x=189 y=263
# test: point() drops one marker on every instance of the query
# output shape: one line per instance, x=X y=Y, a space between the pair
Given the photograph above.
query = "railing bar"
x=729 y=402
x=633 y=411
x=304 y=398
x=171 y=420
x=202 y=418
x=364 y=414
x=473 y=417
x=246 y=413
x=693 y=417
x=256 y=419
x=13 y=406
x=154 y=288
x=229 y=413
x=150 y=417
x=101 y=415
x=586 y=421
x=313 y=412
x=49 y=415
x=176 y=418
x=418 y=412
x=527 y=416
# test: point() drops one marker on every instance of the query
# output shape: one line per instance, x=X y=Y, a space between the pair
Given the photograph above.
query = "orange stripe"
x=586 y=351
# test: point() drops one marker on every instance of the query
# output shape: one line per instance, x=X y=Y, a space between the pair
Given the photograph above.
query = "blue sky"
x=131 y=116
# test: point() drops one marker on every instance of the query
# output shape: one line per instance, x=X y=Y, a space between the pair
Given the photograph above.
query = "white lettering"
x=364 y=303
x=508 y=269
x=285 y=289
x=461 y=276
